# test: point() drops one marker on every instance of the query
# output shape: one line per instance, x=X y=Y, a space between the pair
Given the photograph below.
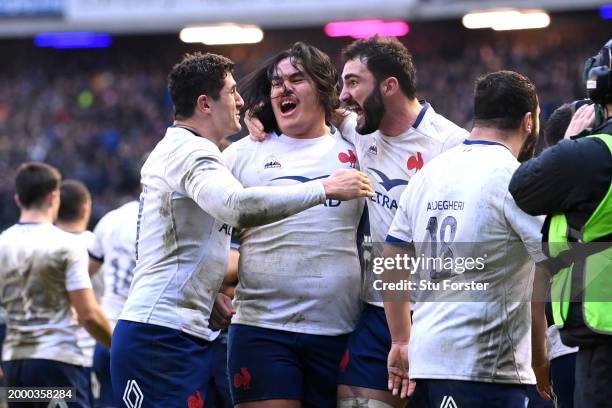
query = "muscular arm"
x=217 y=192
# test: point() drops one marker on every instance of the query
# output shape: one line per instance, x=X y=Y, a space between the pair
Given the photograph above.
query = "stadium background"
x=94 y=112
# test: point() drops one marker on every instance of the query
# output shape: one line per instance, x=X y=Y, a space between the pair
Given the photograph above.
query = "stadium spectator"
x=43 y=276
x=570 y=183
x=93 y=113
x=494 y=336
x=294 y=312
x=189 y=204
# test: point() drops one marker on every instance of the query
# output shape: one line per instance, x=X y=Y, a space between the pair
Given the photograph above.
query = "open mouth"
x=355 y=108
x=287 y=106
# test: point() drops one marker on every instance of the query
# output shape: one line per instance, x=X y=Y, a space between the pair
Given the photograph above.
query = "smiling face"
x=295 y=104
x=226 y=109
x=361 y=94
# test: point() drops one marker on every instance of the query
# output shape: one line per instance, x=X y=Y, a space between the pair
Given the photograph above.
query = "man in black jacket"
x=571 y=183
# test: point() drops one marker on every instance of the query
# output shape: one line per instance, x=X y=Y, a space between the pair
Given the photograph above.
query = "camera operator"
x=571 y=183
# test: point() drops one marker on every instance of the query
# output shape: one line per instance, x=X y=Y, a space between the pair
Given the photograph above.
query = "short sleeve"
x=401 y=227
x=528 y=228
x=77 y=262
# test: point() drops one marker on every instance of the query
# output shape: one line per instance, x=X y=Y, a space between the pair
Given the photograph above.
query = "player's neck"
x=311 y=132
x=74 y=227
x=199 y=129
x=36 y=216
x=399 y=116
x=511 y=139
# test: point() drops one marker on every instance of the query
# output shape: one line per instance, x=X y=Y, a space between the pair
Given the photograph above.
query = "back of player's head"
x=385 y=57
x=502 y=98
x=255 y=88
x=197 y=74
x=34 y=182
x=557 y=123
x=73 y=196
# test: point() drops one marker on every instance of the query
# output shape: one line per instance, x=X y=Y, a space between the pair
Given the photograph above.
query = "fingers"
x=582 y=119
x=395 y=380
x=256 y=128
x=545 y=391
x=411 y=388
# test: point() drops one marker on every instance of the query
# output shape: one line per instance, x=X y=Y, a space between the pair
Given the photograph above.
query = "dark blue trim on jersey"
x=96 y=258
x=187 y=129
x=419 y=118
x=301 y=179
x=483 y=142
x=392 y=240
x=28 y=223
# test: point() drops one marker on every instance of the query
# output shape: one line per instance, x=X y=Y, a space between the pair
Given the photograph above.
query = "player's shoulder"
x=436 y=127
x=245 y=144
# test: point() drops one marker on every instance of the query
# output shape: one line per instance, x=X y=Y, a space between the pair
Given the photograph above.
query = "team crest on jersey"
x=350 y=157
x=272 y=163
x=373 y=149
x=415 y=162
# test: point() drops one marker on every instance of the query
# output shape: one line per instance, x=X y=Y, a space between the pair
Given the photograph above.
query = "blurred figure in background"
x=73 y=217
x=43 y=277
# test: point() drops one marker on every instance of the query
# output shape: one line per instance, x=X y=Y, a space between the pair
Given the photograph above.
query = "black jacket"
x=571 y=177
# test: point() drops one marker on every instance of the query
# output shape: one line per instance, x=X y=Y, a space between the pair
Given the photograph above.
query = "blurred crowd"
x=94 y=113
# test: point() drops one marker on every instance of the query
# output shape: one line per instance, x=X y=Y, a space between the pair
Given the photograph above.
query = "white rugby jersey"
x=301 y=274
x=462 y=197
x=84 y=339
x=189 y=203
x=39 y=264
x=115 y=246
x=391 y=161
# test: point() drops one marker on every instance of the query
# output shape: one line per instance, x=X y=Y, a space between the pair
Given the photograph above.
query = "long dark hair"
x=255 y=87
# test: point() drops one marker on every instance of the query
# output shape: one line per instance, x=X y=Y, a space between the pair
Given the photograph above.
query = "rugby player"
x=394 y=136
x=43 y=276
x=73 y=217
x=474 y=353
x=190 y=201
x=298 y=296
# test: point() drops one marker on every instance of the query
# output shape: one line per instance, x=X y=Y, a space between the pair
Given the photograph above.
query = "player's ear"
x=17 y=201
x=202 y=104
x=389 y=86
x=53 y=198
x=527 y=123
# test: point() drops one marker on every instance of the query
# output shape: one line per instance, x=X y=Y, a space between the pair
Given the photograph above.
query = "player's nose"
x=239 y=101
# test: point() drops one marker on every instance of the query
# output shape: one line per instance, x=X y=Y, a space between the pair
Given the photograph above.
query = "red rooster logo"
x=242 y=379
x=195 y=401
x=415 y=162
x=344 y=362
x=350 y=158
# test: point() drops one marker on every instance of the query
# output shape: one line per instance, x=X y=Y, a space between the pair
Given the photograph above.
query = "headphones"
x=598 y=75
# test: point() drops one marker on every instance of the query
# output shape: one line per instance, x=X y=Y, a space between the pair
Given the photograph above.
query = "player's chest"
x=282 y=166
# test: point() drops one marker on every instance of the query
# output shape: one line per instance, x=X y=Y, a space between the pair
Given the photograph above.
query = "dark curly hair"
x=502 y=98
x=197 y=74
x=385 y=57
x=255 y=88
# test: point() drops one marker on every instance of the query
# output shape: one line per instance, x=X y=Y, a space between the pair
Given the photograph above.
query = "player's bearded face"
x=373 y=112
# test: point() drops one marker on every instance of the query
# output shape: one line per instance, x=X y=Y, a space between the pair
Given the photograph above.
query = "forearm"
x=98 y=326
x=397 y=309
x=399 y=320
x=254 y=206
x=538 y=317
